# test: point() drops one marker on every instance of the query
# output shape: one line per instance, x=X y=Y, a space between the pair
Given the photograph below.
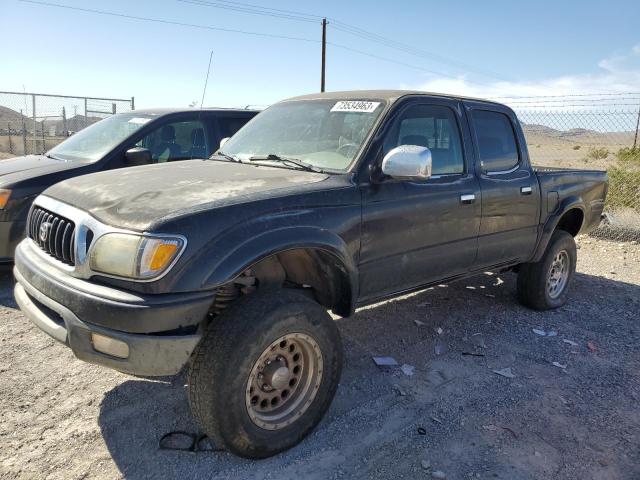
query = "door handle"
x=525 y=190
x=467 y=199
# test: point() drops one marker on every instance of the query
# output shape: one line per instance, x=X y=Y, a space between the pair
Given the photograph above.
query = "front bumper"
x=70 y=310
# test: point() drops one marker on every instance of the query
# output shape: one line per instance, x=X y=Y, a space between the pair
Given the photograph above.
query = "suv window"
x=431 y=126
x=177 y=141
x=228 y=126
x=496 y=141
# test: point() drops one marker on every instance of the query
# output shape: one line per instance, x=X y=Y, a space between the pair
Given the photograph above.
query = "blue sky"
x=491 y=48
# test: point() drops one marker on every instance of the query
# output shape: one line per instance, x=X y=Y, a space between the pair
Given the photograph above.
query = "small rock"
x=426 y=464
x=418 y=323
x=439 y=331
x=505 y=372
x=407 y=369
x=439 y=474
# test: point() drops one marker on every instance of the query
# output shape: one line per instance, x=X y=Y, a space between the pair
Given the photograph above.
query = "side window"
x=177 y=141
x=431 y=126
x=496 y=141
x=228 y=126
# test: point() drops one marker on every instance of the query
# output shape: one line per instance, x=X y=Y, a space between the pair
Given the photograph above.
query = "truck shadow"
x=7 y=283
x=376 y=410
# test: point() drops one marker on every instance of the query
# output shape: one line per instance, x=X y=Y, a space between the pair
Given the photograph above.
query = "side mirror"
x=408 y=162
x=138 y=156
x=223 y=141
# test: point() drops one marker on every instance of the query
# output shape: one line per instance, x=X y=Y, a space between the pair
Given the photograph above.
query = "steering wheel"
x=343 y=149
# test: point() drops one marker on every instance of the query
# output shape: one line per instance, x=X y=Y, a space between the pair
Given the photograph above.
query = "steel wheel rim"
x=284 y=381
x=558 y=274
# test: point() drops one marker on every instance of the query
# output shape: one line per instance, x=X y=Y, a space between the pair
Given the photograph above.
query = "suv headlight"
x=134 y=256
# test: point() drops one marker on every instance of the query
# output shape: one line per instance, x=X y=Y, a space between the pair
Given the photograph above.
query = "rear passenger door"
x=229 y=123
x=510 y=191
x=178 y=139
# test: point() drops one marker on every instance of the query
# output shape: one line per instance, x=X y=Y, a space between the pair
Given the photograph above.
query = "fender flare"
x=280 y=240
x=569 y=203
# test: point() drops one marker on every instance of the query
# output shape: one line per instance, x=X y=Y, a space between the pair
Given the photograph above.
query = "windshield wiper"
x=227 y=157
x=277 y=158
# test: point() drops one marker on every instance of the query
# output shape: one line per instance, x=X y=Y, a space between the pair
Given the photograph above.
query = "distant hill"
x=14 y=120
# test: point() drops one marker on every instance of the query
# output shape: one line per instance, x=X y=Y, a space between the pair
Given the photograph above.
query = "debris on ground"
x=491 y=428
x=418 y=323
x=385 y=361
x=592 y=347
x=426 y=464
x=478 y=340
x=407 y=369
x=545 y=333
x=473 y=354
x=505 y=372
x=439 y=474
x=421 y=431
x=424 y=304
x=439 y=331
x=440 y=348
x=570 y=342
x=436 y=419
x=398 y=389
x=559 y=365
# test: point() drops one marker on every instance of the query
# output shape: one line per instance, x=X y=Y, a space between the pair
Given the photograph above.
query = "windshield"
x=322 y=133
x=93 y=142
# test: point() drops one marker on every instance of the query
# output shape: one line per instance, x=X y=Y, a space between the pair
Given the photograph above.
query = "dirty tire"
x=533 y=289
x=224 y=359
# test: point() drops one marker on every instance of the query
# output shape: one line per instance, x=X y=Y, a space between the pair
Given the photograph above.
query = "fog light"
x=110 y=346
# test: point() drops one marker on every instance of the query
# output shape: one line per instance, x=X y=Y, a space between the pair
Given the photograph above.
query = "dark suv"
x=134 y=138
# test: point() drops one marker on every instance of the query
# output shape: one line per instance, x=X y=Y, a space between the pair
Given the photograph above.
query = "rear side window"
x=496 y=141
x=228 y=126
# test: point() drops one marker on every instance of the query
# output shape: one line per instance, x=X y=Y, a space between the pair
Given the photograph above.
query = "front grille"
x=53 y=233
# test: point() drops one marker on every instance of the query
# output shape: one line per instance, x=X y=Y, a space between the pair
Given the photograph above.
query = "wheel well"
x=571 y=221
x=321 y=273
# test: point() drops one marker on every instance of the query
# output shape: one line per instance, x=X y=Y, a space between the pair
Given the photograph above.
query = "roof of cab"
x=165 y=111
x=389 y=95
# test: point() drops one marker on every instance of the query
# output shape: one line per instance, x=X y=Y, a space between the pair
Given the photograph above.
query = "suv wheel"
x=265 y=372
x=545 y=284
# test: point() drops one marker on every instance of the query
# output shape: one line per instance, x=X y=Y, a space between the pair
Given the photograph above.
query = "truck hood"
x=15 y=169
x=138 y=198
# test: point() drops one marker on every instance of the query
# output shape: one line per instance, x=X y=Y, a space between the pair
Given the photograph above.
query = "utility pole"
x=324 y=52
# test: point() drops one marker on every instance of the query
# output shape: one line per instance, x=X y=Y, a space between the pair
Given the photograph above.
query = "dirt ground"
x=61 y=418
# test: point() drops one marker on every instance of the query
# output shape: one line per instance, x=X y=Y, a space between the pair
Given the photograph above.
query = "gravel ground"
x=61 y=418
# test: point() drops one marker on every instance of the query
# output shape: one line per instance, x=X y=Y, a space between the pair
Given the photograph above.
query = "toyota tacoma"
x=325 y=202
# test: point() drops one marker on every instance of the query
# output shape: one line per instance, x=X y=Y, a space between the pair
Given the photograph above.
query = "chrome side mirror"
x=223 y=141
x=408 y=162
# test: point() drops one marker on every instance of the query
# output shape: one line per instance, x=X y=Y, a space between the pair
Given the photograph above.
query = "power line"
x=170 y=22
x=341 y=26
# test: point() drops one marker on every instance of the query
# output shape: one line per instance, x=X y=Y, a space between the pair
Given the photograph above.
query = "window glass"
x=434 y=127
x=228 y=126
x=177 y=141
x=496 y=141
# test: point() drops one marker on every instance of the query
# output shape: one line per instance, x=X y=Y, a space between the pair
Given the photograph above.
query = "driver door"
x=417 y=232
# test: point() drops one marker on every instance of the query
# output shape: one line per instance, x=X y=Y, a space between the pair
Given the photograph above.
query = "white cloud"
x=616 y=74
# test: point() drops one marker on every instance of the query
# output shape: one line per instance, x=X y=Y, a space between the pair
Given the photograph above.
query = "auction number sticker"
x=355 y=106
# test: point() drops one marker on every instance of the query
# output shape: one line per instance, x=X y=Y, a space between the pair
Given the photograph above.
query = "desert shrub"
x=576 y=147
x=624 y=188
x=629 y=156
x=597 y=153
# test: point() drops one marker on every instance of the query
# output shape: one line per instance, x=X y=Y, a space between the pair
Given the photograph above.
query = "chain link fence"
x=36 y=122
x=590 y=132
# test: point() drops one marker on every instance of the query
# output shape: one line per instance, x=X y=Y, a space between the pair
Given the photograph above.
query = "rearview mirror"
x=223 y=141
x=138 y=156
x=408 y=162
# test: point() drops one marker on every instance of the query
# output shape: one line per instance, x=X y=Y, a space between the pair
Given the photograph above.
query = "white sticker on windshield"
x=355 y=106
x=139 y=120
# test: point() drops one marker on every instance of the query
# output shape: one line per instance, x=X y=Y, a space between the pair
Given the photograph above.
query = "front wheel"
x=265 y=373
x=545 y=284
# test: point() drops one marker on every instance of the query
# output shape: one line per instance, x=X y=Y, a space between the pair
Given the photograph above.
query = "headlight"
x=4 y=197
x=134 y=256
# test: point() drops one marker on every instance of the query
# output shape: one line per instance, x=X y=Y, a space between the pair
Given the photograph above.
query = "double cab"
x=329 y=201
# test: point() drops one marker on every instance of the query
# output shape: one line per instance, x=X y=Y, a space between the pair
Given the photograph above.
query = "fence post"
x=44 y=147
x=86 y=116
x=24 y=134
x=65 y=130
x=635 y=139
x=133 y=103
x=9 y=130
x=35 y=123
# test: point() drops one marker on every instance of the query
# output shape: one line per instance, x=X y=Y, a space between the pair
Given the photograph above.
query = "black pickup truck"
x=133 y=138
x=321 y=202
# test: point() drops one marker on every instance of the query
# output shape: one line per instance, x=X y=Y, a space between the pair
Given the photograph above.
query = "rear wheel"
x=545 y=284
x=265 y=373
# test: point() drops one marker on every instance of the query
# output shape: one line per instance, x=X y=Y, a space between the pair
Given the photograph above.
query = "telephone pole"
x=324 y=52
